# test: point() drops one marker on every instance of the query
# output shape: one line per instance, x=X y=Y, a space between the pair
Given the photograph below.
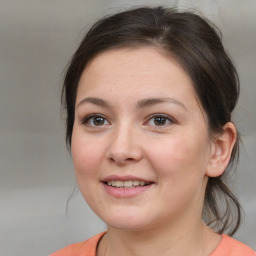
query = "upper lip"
x=124 y=178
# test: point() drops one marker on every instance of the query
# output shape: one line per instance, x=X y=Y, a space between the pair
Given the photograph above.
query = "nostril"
x=112 y=160
x=123 y=154
x=121 y=161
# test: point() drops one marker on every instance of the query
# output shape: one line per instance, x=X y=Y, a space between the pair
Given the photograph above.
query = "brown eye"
x=95 y=120
x=160 y=120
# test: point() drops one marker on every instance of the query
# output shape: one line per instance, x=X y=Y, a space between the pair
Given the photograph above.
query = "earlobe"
x=221 y=150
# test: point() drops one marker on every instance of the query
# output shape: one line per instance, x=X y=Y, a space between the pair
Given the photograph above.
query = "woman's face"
x=140 y=142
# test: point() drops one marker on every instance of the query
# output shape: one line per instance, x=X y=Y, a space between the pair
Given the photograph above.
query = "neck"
x=195 y=240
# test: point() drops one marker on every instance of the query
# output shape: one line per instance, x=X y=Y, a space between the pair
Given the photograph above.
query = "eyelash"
x=165 y=117
x=87 y=118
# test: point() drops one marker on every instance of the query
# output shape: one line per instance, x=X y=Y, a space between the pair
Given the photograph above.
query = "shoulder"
x=231 y=247
x=87 y=247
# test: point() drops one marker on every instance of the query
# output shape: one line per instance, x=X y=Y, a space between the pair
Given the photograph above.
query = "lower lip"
x=126 y=192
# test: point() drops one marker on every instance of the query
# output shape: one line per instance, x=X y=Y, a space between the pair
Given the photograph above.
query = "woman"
x=149 y=95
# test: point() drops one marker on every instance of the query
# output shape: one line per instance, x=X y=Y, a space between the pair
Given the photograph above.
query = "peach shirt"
x=227 y=247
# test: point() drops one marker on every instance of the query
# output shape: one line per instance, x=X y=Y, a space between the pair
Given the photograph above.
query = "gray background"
x=37 y=39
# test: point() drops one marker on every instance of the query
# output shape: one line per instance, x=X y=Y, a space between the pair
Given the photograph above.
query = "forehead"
x=142 y=70
x=140 y=59
x=144 y=62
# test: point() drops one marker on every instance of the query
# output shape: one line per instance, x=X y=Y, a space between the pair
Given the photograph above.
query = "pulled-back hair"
x=195 y=43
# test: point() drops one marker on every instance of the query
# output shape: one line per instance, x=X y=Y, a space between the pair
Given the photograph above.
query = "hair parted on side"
x=195 y=43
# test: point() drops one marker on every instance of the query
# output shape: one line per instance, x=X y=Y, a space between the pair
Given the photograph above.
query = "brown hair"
x=196 y=44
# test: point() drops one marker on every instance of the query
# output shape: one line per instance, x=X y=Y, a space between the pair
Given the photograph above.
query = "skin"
x=177 y=155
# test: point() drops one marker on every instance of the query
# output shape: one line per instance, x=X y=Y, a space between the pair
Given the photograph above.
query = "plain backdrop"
x=37 y=38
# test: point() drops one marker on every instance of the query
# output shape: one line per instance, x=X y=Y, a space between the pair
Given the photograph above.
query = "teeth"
x=126 y=184
x=136 y=183
x=142 y=183
x=119 y=183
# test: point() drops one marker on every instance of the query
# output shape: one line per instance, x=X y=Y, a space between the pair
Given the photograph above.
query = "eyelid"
x=88 y=117
x=171 y=119
x=92 y=115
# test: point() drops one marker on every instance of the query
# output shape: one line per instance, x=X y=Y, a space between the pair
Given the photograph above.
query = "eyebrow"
x=152 y=101
x=140 y=104
x=96 y=101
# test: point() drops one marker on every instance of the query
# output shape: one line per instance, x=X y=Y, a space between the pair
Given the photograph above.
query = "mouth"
x=127 y=183
x=126 y=186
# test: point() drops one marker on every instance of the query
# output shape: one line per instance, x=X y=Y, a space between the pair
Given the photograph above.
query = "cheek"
x=180 y=156
x=180 y=164
x=87 y=155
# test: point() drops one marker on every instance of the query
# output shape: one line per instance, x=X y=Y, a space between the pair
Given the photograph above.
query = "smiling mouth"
x=127 y=184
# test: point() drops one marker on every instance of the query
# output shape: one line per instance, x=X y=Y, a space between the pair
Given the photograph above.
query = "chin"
x=133 y=227
x=124 y=222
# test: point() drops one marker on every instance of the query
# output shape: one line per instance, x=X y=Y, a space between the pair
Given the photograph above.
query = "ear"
x=221 y=149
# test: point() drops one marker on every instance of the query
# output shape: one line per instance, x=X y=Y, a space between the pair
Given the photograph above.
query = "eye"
x=95 y=120
x=160 y=120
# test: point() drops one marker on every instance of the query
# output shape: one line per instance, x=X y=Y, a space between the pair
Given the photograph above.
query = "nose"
x=124 y=146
